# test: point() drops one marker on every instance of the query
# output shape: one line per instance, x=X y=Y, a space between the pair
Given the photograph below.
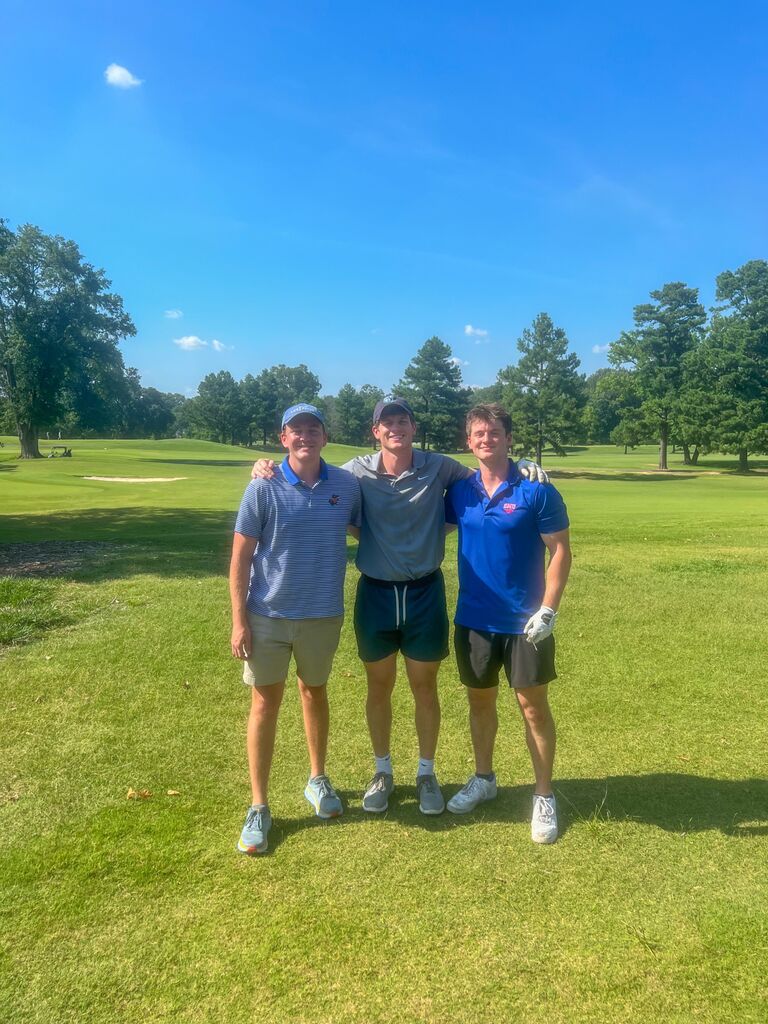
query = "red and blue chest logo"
x=509 y=507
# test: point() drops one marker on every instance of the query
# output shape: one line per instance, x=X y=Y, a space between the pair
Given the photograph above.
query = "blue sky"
x=332 y=183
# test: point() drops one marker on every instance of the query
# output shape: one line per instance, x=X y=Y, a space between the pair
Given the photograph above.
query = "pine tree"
x=432 y=384
x=544 y=392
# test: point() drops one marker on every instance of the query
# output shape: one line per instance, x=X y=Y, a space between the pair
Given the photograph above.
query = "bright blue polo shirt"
x=299 y=564
x=501 y=553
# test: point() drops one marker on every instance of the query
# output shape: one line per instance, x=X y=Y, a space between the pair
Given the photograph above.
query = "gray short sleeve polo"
x=402 y=535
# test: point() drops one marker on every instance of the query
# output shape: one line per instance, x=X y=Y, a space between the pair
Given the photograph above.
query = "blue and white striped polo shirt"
x=299 y=564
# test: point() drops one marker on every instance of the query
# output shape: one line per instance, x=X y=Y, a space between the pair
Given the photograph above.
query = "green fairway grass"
x=115 y=674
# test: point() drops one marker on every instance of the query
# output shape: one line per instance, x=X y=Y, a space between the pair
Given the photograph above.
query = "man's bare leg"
x=378 y=708
x=260 y=737
x=422 y=675
x=539 y=734
x=314 y=707
x=483 y=725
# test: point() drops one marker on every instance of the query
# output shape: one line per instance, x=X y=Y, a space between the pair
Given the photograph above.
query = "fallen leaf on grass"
x=173 y=792
x=138 y=794
x=683 y=757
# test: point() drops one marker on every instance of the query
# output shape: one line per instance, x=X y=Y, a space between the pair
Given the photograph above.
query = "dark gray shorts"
x=480 y=655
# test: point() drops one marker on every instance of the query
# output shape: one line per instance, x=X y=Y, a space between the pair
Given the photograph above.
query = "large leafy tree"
x=729 y=400
x=278 y=387
x=217 y=410
x=349 y=416
x=666 y=330
x=432 y=384
x=612 y=412
x=544 y=392
x=59 y=329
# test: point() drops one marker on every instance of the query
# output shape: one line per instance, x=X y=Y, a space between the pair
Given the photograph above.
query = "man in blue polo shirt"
x=507 y=606
x=289 y=557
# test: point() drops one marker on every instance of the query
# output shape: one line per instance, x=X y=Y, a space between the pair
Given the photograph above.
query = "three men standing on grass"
x=400 y=604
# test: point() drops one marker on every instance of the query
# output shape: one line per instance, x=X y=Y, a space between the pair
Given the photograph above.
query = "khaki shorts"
x=312 y=642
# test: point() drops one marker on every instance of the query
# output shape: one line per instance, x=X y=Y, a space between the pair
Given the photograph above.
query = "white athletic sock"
x=426 y=766
x=384 y=764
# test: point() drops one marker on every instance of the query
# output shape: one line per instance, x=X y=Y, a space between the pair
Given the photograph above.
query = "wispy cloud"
x=120 y=77
x=455 y=361
x=190 y=342
x=173 y=314
x=475 y=332
x=599 y=349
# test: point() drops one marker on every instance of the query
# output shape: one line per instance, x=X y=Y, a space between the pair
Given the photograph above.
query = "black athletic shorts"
x=408 y=616
x=480 y=655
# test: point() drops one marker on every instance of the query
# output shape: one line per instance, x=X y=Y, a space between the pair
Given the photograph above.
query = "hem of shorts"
x=530 y=686
x=405 y=654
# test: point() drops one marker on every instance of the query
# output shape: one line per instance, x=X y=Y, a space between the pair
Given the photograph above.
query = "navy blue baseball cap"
x=392 y=405
x=302 y=409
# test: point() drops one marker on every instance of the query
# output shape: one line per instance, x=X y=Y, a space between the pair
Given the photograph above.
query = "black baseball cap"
x=393 y=405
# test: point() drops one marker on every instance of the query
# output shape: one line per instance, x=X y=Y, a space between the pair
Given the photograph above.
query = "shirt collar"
x=419 y=458
x=513 y=476
x=291 y=477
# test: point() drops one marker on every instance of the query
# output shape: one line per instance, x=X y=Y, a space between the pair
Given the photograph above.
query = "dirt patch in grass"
x=51 y=558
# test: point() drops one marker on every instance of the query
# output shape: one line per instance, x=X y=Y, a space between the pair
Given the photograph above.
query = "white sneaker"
x=544 y=819
x=476 y=791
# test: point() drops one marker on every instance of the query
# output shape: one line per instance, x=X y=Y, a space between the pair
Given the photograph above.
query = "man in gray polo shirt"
x=400 y=602
x=289 y=557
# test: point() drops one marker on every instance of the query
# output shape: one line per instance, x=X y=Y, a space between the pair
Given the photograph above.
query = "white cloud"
x=219 y=346
x=190 y=342
x=121 y=77
x=474 y=332
x=599 y=349
x=455 y=361
x=173 y=314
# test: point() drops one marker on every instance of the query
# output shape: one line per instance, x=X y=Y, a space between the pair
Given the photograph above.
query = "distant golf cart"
x=60 y=451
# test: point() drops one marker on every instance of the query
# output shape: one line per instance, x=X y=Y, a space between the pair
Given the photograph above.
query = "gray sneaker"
x=376 y=796
x=430 y=798
x=476 y=791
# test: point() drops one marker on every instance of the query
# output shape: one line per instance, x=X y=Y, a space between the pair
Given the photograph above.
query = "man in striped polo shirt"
x=289 y=557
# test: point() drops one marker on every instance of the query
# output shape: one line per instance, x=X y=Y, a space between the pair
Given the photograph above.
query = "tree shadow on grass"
x=667 y=800
x=234 y=463
x=126 y=541
x=628 y=477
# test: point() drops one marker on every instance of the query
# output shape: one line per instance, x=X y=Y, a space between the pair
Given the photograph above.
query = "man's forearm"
x=239 y=577
x=238 y=589
x=557 y=576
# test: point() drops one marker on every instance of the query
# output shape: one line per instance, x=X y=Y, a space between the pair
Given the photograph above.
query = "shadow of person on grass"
x=667 y=800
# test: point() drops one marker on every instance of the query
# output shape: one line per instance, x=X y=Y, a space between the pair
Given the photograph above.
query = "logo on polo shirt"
x=334 y=499
x=509 y=506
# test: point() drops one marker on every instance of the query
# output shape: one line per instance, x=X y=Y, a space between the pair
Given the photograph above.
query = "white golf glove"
x=540 y=625
x=533 y=471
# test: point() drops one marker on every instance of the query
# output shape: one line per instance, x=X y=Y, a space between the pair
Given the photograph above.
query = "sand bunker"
x=137 y=479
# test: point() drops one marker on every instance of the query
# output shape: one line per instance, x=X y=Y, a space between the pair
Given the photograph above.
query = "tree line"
x=680 y=376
